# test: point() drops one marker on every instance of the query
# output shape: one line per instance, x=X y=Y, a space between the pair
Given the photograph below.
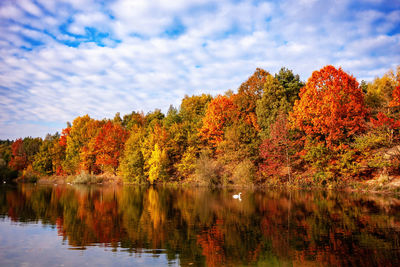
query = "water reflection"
x=198 y=226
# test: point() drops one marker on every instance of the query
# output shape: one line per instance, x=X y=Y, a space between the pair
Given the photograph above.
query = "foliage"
x=157 y=165
x=19 y=158
x=192 y=111
x=208 y=170
x=31 y=146
x=84 y=178
x=272 y=102
x=276 y=151
x=135 y=118
x=379 y=92
x=108 y=146
x=187 y=166
x=248 y=94
x=131 y=166
x=331 y=107
x=219 y=114
x=43 y=162
x=154 y=149
x=241 y=137
x=29 y=175
x=77 y=157
x=153 y=118
x=244 y=173
x=291 y=83
x=395 y=102
x=370 y=140
x=5 y=150
x=172 y=117
x=333 y=165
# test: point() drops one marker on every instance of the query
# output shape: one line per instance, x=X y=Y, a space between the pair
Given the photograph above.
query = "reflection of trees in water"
x=207 y=227
x=212 y=244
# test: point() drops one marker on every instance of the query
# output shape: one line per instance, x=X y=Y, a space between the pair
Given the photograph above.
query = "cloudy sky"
x=66 y=58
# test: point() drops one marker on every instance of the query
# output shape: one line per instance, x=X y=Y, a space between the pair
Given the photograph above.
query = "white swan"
x=237 y=196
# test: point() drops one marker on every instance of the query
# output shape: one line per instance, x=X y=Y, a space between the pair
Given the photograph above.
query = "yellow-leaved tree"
x=157 y=165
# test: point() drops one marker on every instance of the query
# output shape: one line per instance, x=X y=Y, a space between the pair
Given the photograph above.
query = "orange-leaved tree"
x=395 y=102
x=248 y=93
x=58 y=151
x=331 y=107
x=389 y=121
x=220 y=112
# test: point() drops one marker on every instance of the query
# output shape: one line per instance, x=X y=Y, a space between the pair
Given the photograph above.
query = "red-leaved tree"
x=275 y=151
x=19 y=158
x=108 y=146
x=331 y=107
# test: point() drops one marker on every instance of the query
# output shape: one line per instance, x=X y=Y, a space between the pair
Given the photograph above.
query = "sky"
x=67 y=58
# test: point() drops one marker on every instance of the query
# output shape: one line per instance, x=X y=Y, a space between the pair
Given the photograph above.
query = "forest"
x=275 y=129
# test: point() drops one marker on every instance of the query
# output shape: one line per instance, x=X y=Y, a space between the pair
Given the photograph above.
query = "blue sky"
x=66 y=58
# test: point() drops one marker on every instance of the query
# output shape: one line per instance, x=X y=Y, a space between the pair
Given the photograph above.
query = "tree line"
x=273 y=129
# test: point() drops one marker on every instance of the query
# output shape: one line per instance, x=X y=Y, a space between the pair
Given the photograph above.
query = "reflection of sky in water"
x=40 y=245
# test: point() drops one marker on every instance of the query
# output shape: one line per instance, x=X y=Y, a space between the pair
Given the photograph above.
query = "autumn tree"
x=387 y=121
x=157 y=165
x=291 y=82
x=185 y=141
x=43 y=162
x=117 y=118
x=19 y=159
x=131 y=166
x=135 y=118
x=192 y=111
x=82 y=131
x=273 y=101
x=172 y=117
x=187 y=165
x=220 y=113
x=331 y=107
x=379 y=92
x=23 y=152
x=241 y=141
x=109 y=145
x=248 y=94
x=58 y=151
x=5 y=150
x=395 y=101
x=276 y=150
x=154 y=117
x=155 y=152
x=5 y=157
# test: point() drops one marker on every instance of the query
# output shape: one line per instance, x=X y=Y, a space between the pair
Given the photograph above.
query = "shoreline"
x=373 y=186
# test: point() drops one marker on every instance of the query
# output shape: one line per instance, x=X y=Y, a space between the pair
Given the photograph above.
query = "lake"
x=70 y=225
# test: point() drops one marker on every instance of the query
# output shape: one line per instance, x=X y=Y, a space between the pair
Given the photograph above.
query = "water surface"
x=159 y=226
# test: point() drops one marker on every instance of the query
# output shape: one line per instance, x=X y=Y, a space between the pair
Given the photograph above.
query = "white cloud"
x=142 y=68
x=30 y=7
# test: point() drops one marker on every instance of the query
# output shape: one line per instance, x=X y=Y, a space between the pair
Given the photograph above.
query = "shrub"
x=85 y=178
x=208 y=171
x=29 y=175
x=187 y=165
x=318 y=156
x=371 y=140
x=244 y=173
